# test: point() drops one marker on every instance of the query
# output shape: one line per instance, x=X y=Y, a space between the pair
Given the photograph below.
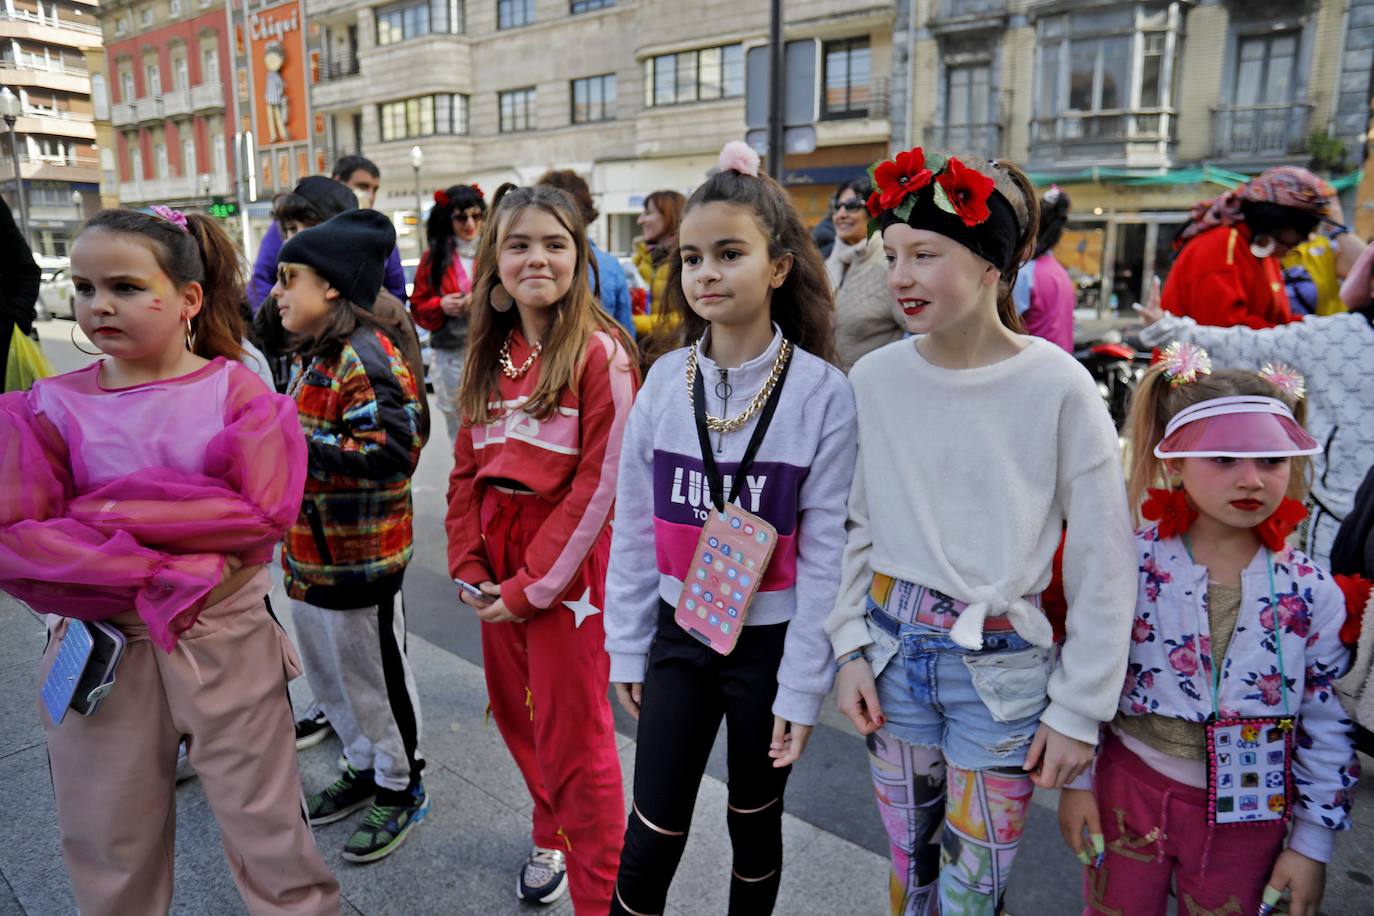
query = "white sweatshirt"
x=964 y=481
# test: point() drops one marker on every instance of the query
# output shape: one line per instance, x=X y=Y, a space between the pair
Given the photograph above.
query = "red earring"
x=1171 y=509
x=1273 y=531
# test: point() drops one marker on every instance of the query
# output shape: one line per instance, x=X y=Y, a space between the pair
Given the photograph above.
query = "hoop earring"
x=190 y=337
x=500 y=299
x=79 y=347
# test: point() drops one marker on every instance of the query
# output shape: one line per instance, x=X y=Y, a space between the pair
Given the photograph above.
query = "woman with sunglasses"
x=866 y=316
x=443 y=288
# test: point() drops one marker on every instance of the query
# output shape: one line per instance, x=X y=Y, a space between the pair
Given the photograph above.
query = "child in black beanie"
x=345 y=557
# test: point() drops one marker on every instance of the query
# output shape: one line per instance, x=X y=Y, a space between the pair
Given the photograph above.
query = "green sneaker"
x=348 y=793
x=387 y=825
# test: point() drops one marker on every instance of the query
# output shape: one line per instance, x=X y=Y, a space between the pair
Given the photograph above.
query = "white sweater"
x=964 y=481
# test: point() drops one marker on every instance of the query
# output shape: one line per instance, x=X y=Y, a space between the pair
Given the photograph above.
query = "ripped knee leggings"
x=688 y=689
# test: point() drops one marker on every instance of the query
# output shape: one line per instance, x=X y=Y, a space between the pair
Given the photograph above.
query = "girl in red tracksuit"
x=545 y=396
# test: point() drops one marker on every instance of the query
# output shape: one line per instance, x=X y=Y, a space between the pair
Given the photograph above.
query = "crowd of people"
x=713 y=511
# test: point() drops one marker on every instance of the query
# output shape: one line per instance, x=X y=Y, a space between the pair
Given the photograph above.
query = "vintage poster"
x=276 y=51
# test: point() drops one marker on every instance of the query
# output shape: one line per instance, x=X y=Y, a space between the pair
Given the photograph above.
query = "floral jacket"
x=1170 y=660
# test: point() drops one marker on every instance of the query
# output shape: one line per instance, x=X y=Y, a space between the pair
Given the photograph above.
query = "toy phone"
x=730 y=559
x=82 y=669
x=474 y=591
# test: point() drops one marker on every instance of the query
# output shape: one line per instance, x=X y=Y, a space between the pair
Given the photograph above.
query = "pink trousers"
x=1156 y=829
x=113 y=772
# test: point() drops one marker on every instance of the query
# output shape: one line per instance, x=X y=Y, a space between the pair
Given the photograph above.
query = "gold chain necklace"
x=729 y=425
x=509 y=369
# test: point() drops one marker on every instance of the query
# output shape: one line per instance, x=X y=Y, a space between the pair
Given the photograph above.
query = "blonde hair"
x=575 y=318
x=1157 y=400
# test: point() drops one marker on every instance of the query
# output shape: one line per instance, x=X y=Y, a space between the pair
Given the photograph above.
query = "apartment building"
x=1139 y=109
x=168 y=65
x=42 y=63
x=636 y=95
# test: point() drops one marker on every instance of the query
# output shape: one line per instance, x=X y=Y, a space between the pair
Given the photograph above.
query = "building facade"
x=168 y=68
x=42 y=63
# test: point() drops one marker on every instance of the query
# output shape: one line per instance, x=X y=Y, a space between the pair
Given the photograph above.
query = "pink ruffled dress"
x=131 y=498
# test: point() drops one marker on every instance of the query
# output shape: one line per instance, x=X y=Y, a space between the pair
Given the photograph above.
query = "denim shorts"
x=979 y=707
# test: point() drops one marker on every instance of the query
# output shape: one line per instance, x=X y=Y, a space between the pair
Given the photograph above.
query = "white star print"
x=582 y=608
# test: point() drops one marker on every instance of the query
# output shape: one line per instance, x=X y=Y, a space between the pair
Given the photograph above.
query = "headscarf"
x=1284 y=186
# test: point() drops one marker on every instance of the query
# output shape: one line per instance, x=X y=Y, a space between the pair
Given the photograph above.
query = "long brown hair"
x=1155 y=403
x=1025 y=203
x=671 y=206
x=575 y=319
x=802 y=306
x=203 y=254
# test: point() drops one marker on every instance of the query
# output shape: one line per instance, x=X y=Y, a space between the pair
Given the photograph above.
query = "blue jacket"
x=615 y=289
x=265 y=270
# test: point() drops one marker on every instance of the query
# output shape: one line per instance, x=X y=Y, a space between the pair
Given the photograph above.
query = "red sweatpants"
x=547 y=682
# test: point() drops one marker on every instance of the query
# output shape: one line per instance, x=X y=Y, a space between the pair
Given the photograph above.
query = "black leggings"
x=687 y=688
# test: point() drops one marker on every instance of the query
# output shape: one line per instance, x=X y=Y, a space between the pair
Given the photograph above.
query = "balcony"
x=339 y=69
x=122 y=114
x=1134 y=137
x=148 y=108
x=207 y=96
x=1261 y=131
x=967 y=15
x=158 y=190
x=985 y=139
x=177 y=102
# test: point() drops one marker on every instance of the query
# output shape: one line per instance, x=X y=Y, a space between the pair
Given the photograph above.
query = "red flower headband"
x=958 y=189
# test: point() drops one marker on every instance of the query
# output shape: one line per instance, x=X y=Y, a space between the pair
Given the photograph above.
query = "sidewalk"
x=463 y=859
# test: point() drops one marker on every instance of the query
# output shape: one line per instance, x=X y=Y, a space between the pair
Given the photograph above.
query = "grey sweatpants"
x=355 y=662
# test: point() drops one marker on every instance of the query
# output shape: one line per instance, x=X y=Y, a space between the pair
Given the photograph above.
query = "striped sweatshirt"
x=568 y=459
x=799 y=482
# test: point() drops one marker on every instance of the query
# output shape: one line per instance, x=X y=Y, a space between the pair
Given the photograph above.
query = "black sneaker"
x=312 y=729
x=348 y=793
x=544 y=877
x=387 y=824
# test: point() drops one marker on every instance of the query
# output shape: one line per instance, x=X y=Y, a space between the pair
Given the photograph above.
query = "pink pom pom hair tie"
x=1183 y=362
x=740 y=157
x=175 y=217
x=1286 y=379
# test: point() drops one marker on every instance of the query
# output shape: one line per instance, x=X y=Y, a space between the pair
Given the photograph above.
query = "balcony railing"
x=148 y=109
x=123 y=114
x=49 y=20
x=876 y=103
x=207 y=95
x=176 y=102
x=339 y=69
x=1261 y=131
x=962 y=9
x=1104 y=126
x=34 y=111
x=974 y=138
x=27 y=61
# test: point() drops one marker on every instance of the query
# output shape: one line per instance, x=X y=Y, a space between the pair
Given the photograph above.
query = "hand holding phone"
x=478 y=597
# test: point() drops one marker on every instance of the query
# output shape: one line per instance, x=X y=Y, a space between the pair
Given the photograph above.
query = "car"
x=408 y=267
x=56 y=295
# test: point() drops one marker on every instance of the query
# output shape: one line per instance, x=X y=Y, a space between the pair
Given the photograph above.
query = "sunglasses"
x=471 y=216
x=287 y=273
x=853 y=206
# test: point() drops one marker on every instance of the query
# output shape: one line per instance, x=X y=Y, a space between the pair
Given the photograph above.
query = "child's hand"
x=1078 y=812
x=629 y=697
x=1055 y=760
x=1151 y=311
x=789 y=740
x=493 y=612
x=857 y=696
x=1304 y=878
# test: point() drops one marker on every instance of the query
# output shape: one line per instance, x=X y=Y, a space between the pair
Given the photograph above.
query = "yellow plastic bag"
x=26 y=365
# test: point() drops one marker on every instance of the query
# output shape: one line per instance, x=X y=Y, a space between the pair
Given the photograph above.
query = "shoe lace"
x=549 y=858
x=378 y=815
x=343 y=783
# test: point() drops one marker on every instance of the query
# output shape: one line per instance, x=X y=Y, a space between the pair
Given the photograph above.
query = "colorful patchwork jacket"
x=352 y=540
x=1171 y=657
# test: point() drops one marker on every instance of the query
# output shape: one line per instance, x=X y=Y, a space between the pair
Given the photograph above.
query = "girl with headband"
x=964 y=483
x=1228 y=727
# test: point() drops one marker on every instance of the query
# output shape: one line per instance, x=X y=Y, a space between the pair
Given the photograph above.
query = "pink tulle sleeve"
x=248 y=496
x=59 y=565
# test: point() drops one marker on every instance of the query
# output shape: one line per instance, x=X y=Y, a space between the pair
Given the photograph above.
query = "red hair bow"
x=478 y=189
x=441 y=198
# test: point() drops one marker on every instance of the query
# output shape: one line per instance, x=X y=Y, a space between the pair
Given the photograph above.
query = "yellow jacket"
x=1318 y=257
x=657 y=278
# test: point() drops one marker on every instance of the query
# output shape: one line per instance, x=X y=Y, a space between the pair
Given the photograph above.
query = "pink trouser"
x=1156 y=828
x=113 y=772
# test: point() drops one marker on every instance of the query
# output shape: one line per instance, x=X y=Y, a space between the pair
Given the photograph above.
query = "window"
x=126 y=87
x=100 y=97
x=410 y=19
x=145 y=16
x=122 y=25
x=209 y=66
x=517 y=110
x=848 y=78
x=423 y=116
x=174 y=7
x=135 y=158
x=694 y=76
x=181 y=76
x=593 y=99
x=160 y=159
x=219 y=163
x=586 y=6
x=513 y=13
x=152 y=76
x=188 y=156
x=1266 y=69
x=966 y=95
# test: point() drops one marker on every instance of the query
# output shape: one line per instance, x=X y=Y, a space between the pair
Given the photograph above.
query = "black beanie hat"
x=328 y=196
x=350 y=251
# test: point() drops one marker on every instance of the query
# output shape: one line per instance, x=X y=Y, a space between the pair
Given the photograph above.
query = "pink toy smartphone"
x=730 y=559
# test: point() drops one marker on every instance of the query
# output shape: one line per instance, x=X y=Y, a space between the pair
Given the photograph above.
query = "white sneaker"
x=544 y=878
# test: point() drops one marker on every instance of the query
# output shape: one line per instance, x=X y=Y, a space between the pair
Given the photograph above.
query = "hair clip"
x=1183 y=362
x=441 y=198
x=737 y=156
x=175 y=217
x=1286 y=379
x=478 y=189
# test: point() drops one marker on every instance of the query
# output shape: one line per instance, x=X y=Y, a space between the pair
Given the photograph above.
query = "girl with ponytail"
x=964 y=484
x=140 y=499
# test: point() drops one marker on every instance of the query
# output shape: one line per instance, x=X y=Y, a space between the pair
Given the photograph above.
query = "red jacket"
x=570 y=459
x=424 y=299
x=1217 y=281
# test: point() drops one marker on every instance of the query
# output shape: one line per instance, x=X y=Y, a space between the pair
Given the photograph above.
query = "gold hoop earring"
x=79 y=347
x=500 y=299
x=190 y=337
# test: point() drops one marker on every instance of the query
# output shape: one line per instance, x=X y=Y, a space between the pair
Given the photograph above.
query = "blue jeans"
x=979 y=707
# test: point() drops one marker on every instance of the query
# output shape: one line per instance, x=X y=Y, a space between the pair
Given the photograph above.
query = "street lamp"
x=79 y=202
x=9 y=110
x=205 y=187
x=417 y=159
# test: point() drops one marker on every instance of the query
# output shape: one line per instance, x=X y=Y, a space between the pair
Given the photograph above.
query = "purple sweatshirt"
x=265 y=270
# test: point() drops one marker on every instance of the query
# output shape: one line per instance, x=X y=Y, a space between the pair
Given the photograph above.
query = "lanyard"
x=1214 y=670
x=713 y=476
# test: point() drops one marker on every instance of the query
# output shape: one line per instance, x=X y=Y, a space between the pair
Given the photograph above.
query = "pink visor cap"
x=1241 y=426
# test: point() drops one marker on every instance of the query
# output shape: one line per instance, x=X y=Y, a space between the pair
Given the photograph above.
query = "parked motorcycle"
x=1116 y=365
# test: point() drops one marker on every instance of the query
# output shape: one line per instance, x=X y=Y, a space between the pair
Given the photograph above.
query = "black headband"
x=948 y=198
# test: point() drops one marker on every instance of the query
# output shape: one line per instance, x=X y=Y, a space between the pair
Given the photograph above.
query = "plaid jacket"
x=352 y=540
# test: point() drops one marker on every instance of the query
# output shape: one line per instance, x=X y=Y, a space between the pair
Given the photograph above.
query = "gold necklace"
x=729 y=425
x=509 y=369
